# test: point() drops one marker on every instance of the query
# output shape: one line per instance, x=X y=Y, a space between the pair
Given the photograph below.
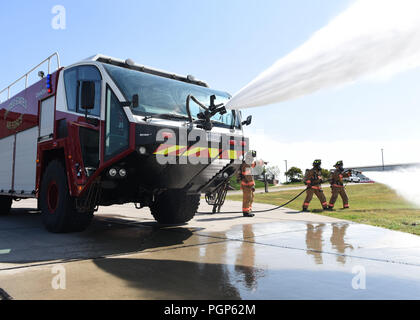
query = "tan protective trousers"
x=319 y=193
x=339 y=191
x=248 y=198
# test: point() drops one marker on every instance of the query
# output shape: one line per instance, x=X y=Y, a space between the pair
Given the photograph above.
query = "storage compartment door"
x=47 y=119
x=6 y=163
x=25 y=161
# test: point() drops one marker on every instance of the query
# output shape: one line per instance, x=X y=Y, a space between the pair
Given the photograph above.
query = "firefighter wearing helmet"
x=313 y=181
x=337 y=186
x=247 y=182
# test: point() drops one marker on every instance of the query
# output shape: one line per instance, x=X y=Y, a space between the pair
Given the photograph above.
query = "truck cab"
x=108 y=131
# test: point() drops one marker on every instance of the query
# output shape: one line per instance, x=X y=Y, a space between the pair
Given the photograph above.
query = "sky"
x=228 y=44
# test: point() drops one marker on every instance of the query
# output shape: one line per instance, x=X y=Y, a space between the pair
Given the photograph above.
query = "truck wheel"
x=175 y=207
x=5 y=205
x=58 y=209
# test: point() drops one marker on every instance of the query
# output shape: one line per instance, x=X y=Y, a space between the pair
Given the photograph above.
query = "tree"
x=325 y=174
x=272 y=171
x=294 y=174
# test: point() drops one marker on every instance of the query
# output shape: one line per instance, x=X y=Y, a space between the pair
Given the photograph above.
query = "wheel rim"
x=52 y=196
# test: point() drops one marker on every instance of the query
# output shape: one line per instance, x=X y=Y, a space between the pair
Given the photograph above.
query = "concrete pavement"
x=277 y=255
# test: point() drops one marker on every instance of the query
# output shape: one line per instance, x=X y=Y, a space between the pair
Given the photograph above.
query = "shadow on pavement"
x=24 y=237
x=220 y=219
x=173 y=279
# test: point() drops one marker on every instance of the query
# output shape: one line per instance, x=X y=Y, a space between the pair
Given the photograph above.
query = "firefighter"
x=313 y=181
x=247 y=182
x=337 y=186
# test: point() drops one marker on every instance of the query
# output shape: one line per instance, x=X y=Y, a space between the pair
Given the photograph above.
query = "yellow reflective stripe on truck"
x=174 y=150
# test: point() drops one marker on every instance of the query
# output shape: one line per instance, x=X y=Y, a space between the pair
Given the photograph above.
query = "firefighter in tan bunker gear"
x=337 y=186
x=247 y=183
x=313 y=181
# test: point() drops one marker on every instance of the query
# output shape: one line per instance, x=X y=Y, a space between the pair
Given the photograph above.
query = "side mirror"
x=248 y=121
x=87 y=98
x=135 y=103
x=212 y=104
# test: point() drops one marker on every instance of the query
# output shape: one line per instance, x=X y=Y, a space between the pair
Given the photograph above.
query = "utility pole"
x=286 y=169
x=265 y=177
x=265 y=182
x=383 y=164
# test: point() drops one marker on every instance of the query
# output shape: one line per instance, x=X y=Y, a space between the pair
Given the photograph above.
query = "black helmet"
x=339 y=164
x=317 y=163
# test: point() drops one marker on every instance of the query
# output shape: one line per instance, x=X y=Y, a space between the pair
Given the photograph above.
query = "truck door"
x=88 y=131
x=116 y=127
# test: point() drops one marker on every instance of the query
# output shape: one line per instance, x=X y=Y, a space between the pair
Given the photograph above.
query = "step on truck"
x=106 y=131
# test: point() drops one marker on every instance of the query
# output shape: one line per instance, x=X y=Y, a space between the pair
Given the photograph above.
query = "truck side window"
x=116 y=127
x=90 y=73
x=72 y=78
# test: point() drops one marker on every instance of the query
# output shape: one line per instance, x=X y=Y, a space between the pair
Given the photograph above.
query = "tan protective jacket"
x=337 y=177
x=313 y=178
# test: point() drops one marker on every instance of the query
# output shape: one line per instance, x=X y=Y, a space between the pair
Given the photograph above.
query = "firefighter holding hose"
x=337 y=186
x=313 y=181
x=247 y=182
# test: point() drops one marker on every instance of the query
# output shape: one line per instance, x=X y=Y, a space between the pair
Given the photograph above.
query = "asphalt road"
x=278 y=255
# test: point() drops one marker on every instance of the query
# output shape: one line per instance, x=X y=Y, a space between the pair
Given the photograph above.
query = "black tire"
x=58 y=209
x=174 y=207
x=5 y=205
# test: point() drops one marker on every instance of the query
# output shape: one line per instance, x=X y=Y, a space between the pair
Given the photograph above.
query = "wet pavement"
x=277 y=255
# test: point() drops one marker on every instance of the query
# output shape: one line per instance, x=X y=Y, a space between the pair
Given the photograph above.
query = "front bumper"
x=194 y=160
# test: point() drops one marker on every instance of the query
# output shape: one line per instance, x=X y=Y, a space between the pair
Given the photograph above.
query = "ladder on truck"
x=26 y=75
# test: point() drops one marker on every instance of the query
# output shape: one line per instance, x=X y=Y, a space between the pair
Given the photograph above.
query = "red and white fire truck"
x=106 y=131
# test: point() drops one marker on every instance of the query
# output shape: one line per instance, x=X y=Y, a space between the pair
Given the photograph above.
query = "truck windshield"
x=167 y=97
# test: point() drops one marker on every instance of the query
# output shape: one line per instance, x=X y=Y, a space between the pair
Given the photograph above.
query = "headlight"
x=112 y=172
x=123 y=173
x=143 y=150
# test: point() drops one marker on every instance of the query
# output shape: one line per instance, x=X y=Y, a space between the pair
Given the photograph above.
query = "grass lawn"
x=373 y=204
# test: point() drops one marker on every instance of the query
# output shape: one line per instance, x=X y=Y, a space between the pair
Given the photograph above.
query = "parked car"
x=352 y=178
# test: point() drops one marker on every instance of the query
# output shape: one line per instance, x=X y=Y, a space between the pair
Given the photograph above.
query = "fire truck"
x=106 y=131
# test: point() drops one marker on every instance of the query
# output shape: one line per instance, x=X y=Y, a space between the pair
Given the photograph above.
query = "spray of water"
x=404 y=182
x=371 y=37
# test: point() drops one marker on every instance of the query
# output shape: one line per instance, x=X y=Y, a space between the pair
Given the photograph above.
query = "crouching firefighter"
x=247 y=182
x=313 y=181
x=337 y=186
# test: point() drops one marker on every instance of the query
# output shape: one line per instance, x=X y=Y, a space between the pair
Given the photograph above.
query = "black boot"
x=249 y=215
x=305 y=209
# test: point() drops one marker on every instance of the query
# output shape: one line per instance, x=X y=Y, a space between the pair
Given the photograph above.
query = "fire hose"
x=261 y=211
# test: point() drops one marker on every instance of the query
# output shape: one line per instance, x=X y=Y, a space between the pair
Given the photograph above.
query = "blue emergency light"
x=49 y=86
